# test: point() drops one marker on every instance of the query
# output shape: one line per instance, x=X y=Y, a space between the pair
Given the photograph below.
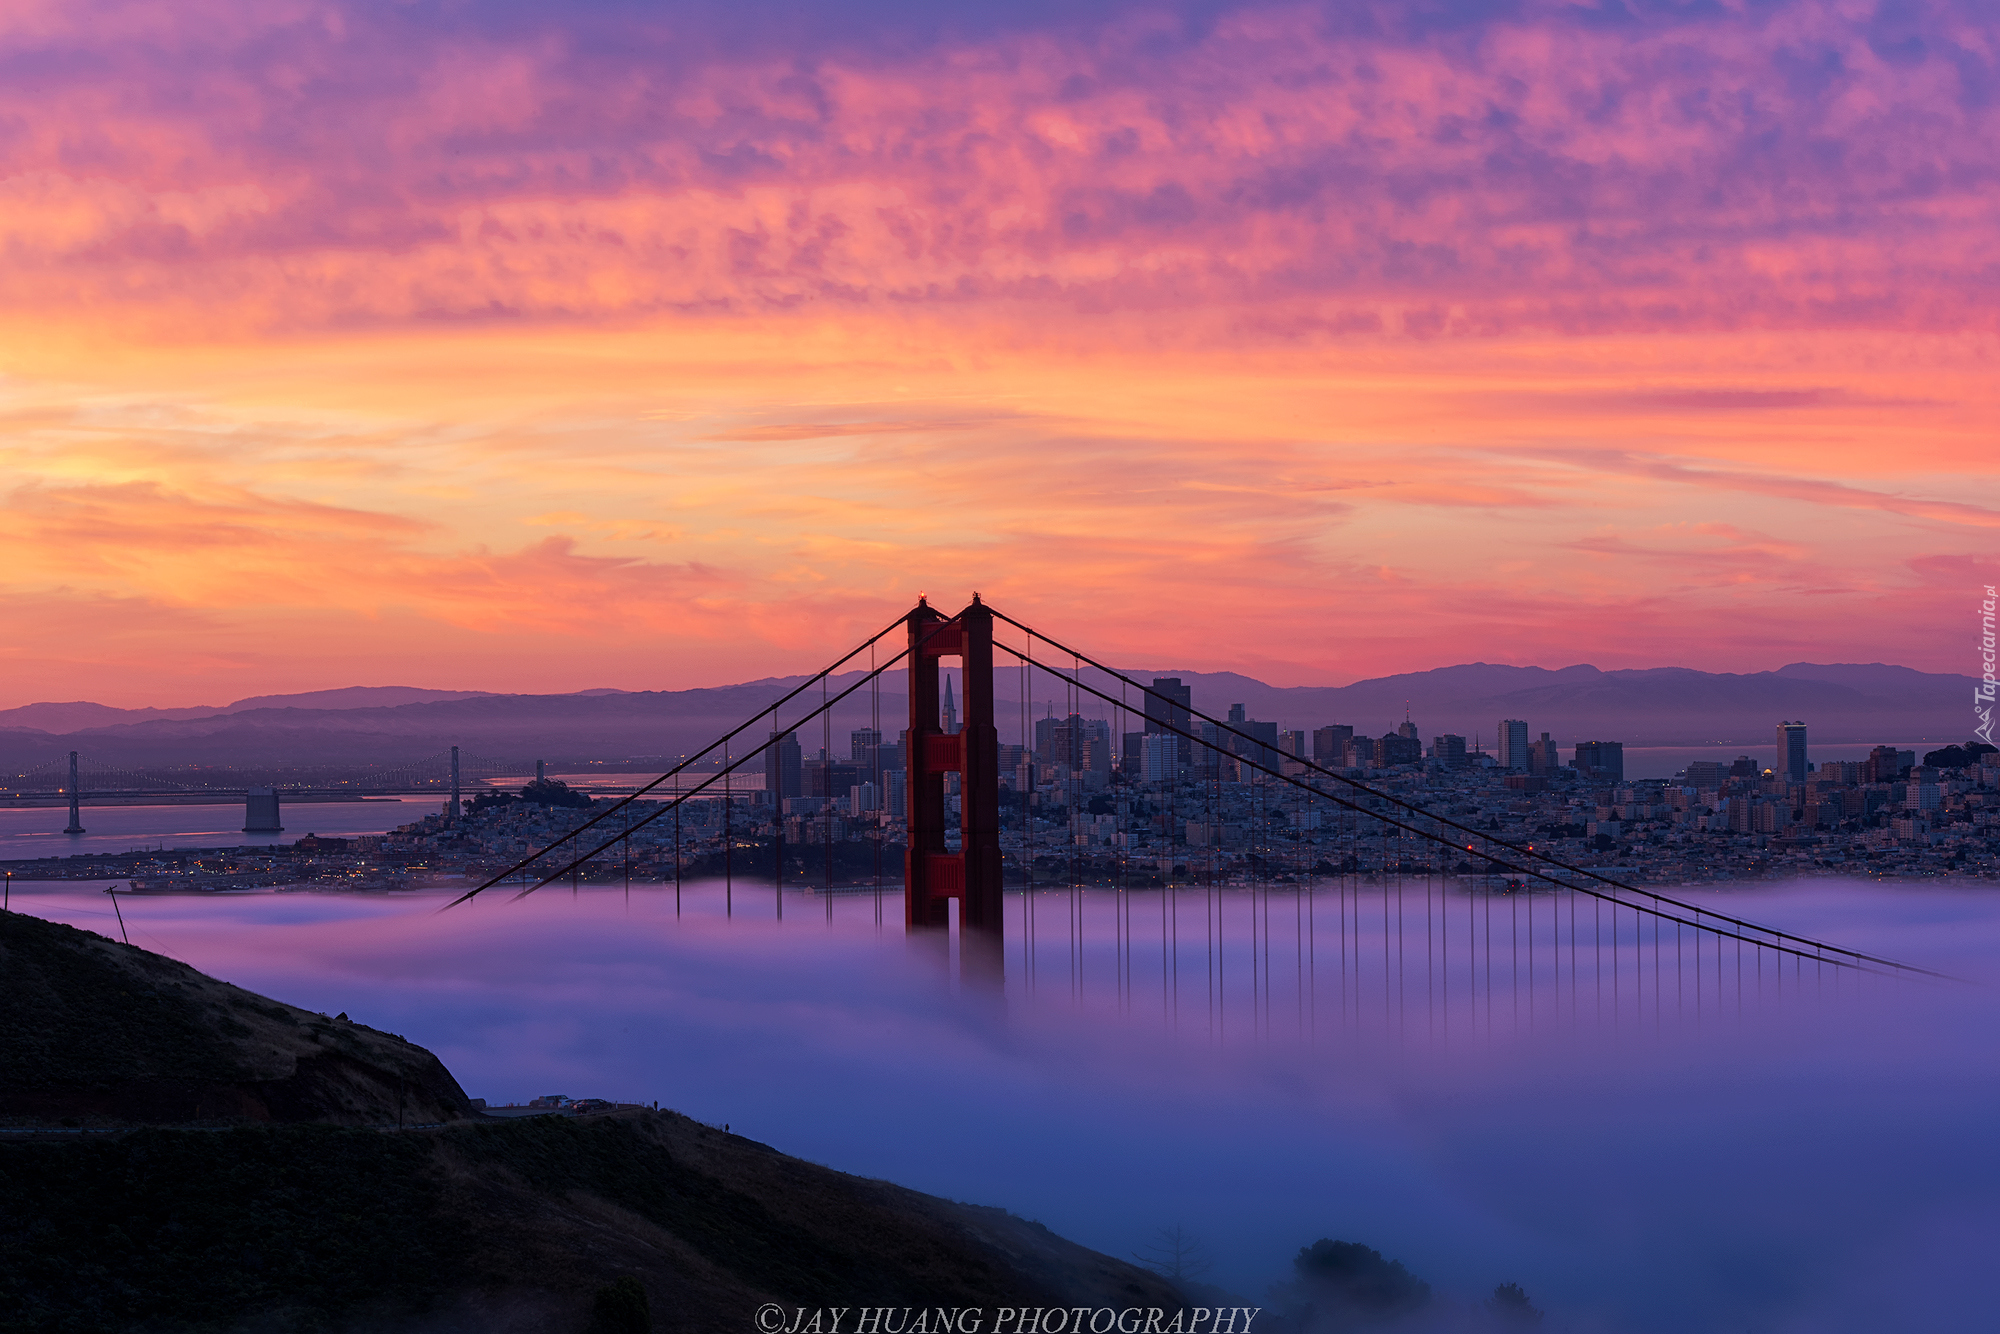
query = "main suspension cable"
x=1515 y=849
x=694 y=791
x=1863 y=960
x=620 y=805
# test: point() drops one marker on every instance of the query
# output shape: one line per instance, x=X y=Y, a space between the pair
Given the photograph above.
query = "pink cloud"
x=306 y=168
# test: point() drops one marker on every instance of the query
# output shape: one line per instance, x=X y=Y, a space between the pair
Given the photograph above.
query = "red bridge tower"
x=932 y=874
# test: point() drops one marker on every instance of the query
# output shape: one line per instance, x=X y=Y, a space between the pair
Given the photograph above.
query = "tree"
x=1352 y=1284
x=554 y=792
x=1958 y=757
x=1510 y=1305
x=1175 y=1253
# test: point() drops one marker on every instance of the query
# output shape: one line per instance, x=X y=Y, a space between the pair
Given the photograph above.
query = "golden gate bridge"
x=1559 y=917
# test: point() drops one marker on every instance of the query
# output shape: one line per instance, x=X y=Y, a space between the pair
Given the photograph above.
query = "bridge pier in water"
x=75 y=799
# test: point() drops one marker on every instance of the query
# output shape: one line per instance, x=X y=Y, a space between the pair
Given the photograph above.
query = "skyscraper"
x=1329 y=745
x=864 y=746
x=1604 y=760
x=949 y=723
x=1791 y=752
x=1395 y=748
x=1159 y=757
x=1172 y=710
x=1513 y=742
x=783 y=768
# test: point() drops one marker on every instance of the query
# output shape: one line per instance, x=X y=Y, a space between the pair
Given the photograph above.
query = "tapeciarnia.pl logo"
x=1982 y=695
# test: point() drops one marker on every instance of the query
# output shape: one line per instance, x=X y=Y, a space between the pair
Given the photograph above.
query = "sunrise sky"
x=535 y=347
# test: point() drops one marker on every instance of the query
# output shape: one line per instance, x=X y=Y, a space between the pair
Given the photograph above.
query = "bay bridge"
x=81 y=780
x=1415 y=894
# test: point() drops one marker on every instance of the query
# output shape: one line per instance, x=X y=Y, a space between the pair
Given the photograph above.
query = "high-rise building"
x=1885 y=764
x=1395 y=748
x=783 y=769
x=1045 y=731
x=827 y=779
x=1069 y=740
x=1096 y=766
x=1159 y=757
x=1262 y=748
x=1449 y=750
x=1601 y=759
x=1791 y=765
x=1542 y=757
x=1330 y=745
x=1262 y=745
x=866 y=752
x=1206 y=756
x=1513 y=742
x=1172 y=710
x=1706 y=773
x=948 y=721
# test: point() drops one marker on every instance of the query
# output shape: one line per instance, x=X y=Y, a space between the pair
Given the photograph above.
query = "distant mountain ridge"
x=1661 y=706
x=80 y=715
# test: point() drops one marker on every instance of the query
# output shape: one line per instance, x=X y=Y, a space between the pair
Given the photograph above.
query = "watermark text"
x=1982 y=694
x=775 y=1319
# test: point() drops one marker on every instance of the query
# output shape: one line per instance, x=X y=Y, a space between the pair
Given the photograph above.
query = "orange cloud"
x=541 y=354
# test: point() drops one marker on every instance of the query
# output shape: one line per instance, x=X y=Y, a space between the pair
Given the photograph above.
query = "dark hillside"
x=477 y=1225
x=492 y=1226
x=94 y=1030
